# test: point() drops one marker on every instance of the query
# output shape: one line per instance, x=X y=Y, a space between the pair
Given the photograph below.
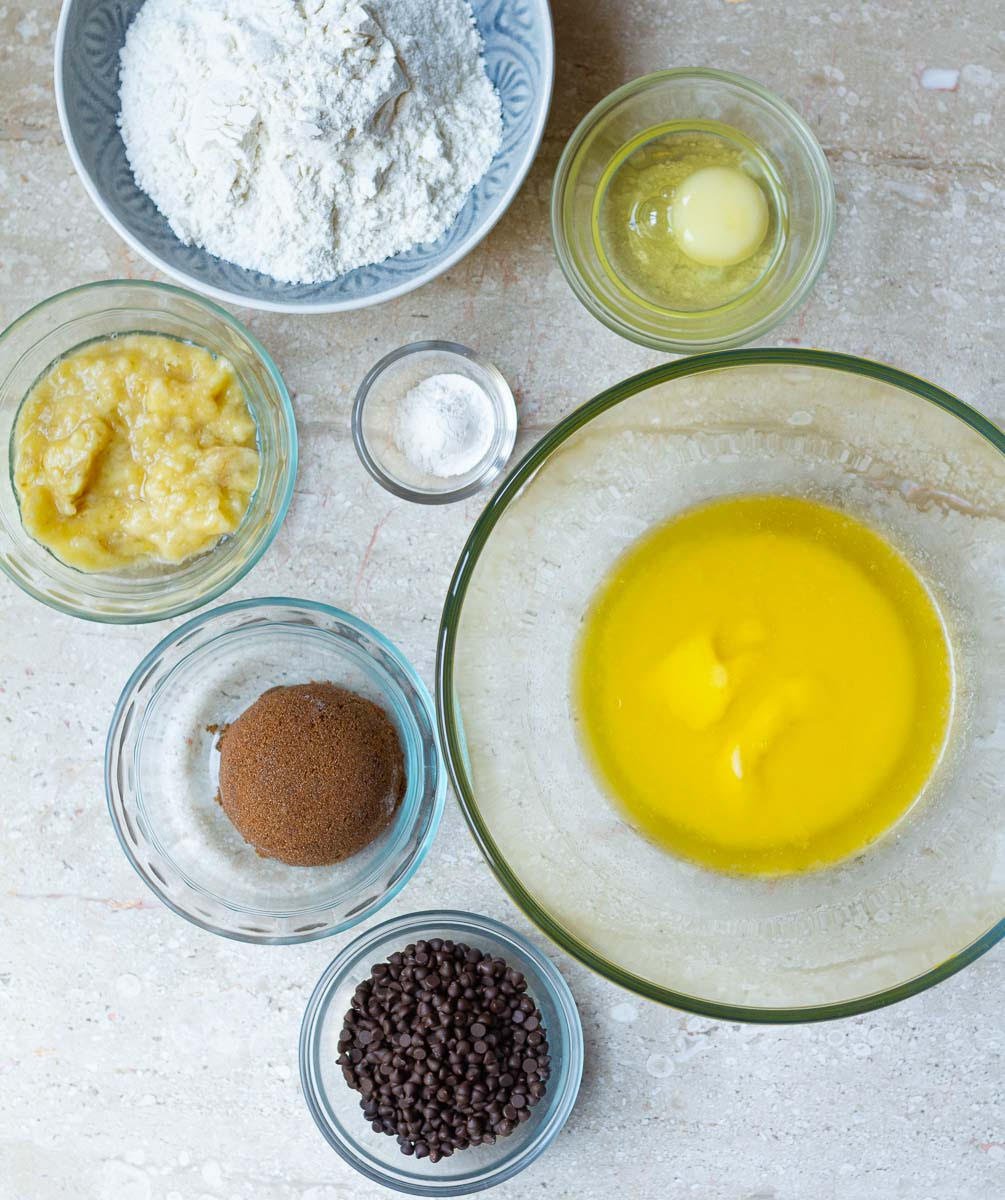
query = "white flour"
x=304 y=138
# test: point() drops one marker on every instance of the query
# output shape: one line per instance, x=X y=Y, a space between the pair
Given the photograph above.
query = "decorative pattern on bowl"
x=519 y=57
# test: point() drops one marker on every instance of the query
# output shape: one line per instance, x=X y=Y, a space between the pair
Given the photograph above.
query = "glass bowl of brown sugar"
x=163 y=766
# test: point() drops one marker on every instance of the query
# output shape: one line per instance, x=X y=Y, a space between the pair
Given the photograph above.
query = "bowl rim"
x=450 y=721
x=811 y=272
x=439 y=795
x=491 y=469
x=464 y=247
x=289 y=468
x=409 y=926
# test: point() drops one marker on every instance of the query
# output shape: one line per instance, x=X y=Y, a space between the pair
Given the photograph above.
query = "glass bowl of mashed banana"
x=152 y=451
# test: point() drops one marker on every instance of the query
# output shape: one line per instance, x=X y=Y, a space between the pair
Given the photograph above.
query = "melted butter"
x=764 y=685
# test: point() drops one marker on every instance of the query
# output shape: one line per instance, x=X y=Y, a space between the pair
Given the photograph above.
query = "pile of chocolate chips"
x=445 y=1047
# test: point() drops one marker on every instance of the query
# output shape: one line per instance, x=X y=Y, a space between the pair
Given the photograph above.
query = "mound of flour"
x=304 y=138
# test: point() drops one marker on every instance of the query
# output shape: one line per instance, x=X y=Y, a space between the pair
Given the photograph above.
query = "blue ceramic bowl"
x=519 y=56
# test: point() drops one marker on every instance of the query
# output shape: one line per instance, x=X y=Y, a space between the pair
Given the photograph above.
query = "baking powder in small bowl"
x=434 y=422
x=444 y=425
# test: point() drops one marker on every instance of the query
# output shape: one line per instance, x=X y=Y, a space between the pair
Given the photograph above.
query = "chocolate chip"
x=436 y=1044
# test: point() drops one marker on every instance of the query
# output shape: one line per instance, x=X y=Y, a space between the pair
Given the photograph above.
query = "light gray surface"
x=140 y=1058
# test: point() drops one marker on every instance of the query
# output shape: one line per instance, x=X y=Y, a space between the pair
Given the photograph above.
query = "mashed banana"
x=135 y=449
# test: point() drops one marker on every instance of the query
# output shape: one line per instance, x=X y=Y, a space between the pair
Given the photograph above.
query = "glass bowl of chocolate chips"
x=441 y=1053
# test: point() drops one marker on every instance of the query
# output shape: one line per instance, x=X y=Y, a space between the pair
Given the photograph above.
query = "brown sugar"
x=311 y=773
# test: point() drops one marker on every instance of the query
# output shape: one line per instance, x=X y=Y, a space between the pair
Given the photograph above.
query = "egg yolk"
x=719 y=216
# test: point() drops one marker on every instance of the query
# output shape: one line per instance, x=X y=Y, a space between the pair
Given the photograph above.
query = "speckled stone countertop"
x=141 y=1059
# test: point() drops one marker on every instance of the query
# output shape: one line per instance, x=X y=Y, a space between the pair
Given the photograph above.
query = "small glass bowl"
x=162 y=769
x=373 y=420
x=335 y=1107
x=701 y=95
x=97 y=310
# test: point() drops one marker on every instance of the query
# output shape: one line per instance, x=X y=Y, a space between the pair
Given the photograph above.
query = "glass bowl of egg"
x=692 y=210
x=719 y=684
x=152 y=451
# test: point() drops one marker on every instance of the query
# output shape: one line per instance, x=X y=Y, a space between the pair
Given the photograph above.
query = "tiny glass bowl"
x=373 y=421
x=335 y=1107
x=66 y=321
x=699 y=95
x=162 y=770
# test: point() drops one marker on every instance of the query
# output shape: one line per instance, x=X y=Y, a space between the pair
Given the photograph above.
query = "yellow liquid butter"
x=132 y=450
x=764 y=685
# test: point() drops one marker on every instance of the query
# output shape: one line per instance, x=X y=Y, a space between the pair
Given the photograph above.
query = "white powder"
x=305 y=138
x=445 y=425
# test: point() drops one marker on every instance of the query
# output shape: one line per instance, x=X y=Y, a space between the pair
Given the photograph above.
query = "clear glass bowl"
x=96 y=310
x=373 y=417
x=162 y=767
x=700 y=95
x=335 y=1107
x=907 y=458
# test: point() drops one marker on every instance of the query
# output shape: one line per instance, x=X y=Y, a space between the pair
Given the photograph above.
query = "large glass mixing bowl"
x=910 y=460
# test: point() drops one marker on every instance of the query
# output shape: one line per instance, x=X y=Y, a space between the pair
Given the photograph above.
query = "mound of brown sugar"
x=310 y=774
